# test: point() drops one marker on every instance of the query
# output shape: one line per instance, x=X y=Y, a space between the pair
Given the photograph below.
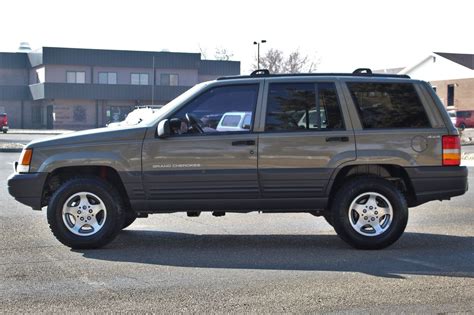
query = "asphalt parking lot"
x=238 y=263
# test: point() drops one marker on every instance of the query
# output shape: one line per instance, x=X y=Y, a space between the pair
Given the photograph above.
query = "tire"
x=5 y=131
x=383 y=209
x=129 y=218
x=91 y=200
x=462 y=127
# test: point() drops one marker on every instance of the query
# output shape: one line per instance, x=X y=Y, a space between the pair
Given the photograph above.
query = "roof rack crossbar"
x=260 y=72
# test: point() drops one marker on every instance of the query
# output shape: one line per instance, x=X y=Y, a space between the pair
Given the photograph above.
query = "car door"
x=199 y=162
x=307 y=134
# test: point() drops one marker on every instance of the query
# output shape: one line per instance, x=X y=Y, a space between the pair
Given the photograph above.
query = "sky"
x=341 y=34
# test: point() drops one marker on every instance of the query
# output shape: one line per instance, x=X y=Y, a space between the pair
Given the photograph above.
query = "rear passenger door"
x=394 y=123
x=306 y=135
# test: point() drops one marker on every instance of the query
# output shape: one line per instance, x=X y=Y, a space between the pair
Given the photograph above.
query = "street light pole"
x=258 y=51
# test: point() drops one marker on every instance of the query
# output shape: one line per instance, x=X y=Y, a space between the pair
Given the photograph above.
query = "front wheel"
x=369 y=213
x=85 y=213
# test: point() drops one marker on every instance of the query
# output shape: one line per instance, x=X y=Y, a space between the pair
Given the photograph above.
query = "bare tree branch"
x=275 y=61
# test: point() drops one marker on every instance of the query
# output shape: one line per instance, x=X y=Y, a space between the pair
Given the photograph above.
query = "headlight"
x=25 y=160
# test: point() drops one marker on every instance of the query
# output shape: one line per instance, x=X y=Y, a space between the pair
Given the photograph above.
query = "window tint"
x=302 y=106
x=462 y=114
x=217 y=110
x=388 y=105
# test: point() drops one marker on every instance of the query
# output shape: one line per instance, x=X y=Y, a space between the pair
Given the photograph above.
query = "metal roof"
x=466 y=60
x=120 y=58
x=219 y=67
x=13 y=60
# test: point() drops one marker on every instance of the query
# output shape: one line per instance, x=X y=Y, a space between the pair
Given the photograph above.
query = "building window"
x=450 y=94
x=139 y=78
x=75 y=77
x=107 y=78
x=169 y=79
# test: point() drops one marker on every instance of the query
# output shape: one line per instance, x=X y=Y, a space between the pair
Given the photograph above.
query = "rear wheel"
x=369 y=213
x=85 y=213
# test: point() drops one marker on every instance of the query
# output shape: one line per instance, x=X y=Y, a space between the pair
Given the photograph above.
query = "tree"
x=276 y=62
x=273 y=61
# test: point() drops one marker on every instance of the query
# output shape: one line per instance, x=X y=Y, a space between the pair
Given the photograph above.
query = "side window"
x=220 y=109
x=388 y=105
x=303 y=106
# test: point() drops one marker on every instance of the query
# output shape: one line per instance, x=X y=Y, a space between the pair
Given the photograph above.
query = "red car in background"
x=4 y=122
x=465 y=119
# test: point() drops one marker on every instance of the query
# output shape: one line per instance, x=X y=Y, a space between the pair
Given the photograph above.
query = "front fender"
x=123 y=157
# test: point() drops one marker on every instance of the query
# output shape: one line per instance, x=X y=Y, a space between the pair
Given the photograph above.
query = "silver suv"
x=358 y=149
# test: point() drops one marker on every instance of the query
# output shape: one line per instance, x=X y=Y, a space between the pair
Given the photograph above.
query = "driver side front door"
x=205 y=163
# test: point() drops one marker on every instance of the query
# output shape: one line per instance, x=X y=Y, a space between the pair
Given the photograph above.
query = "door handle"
x=243 y=142
x=334 y=139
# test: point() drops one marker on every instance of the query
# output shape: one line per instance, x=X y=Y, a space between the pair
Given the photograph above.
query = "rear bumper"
x=437 y=183
x=27 y=188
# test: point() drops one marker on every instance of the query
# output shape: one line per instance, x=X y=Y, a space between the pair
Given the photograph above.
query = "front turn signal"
x=25 y=161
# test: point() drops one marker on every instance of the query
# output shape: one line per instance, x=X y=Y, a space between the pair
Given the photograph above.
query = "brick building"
x=68 y=88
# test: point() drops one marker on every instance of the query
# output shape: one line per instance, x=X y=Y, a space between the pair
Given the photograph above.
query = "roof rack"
x=366 y=72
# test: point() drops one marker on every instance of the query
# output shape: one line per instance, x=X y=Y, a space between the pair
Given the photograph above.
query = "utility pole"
x=153 y=83
x=258 y=51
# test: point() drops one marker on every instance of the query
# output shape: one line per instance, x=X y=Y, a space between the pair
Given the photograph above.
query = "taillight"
x=451 y=151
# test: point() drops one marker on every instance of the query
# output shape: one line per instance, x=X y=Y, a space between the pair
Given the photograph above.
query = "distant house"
x=451 y=75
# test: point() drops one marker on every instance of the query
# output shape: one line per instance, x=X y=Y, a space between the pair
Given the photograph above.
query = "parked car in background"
x=464 y=119
x=452 y=116
x=4 y=122
x=136 y=116
x=235 y=121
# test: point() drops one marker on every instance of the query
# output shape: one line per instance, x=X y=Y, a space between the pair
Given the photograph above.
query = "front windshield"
x=169 y=107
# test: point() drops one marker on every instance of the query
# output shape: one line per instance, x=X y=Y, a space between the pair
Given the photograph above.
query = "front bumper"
x=27 y=188
x=437 y=182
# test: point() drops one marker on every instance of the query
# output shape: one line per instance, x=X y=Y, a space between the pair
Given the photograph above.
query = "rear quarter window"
x=388 y=105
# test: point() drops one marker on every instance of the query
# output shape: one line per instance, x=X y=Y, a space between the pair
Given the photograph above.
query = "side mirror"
x=163 y=130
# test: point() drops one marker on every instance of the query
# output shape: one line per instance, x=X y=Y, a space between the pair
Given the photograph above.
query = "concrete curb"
x=38 y=131
x=10 y=150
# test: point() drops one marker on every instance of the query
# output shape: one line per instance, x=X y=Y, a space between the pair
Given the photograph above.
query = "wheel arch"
x=62 y=174
x=393 y=173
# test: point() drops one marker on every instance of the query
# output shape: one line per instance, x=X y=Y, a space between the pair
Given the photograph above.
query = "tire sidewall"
x=346 y=195
x=109 y=197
